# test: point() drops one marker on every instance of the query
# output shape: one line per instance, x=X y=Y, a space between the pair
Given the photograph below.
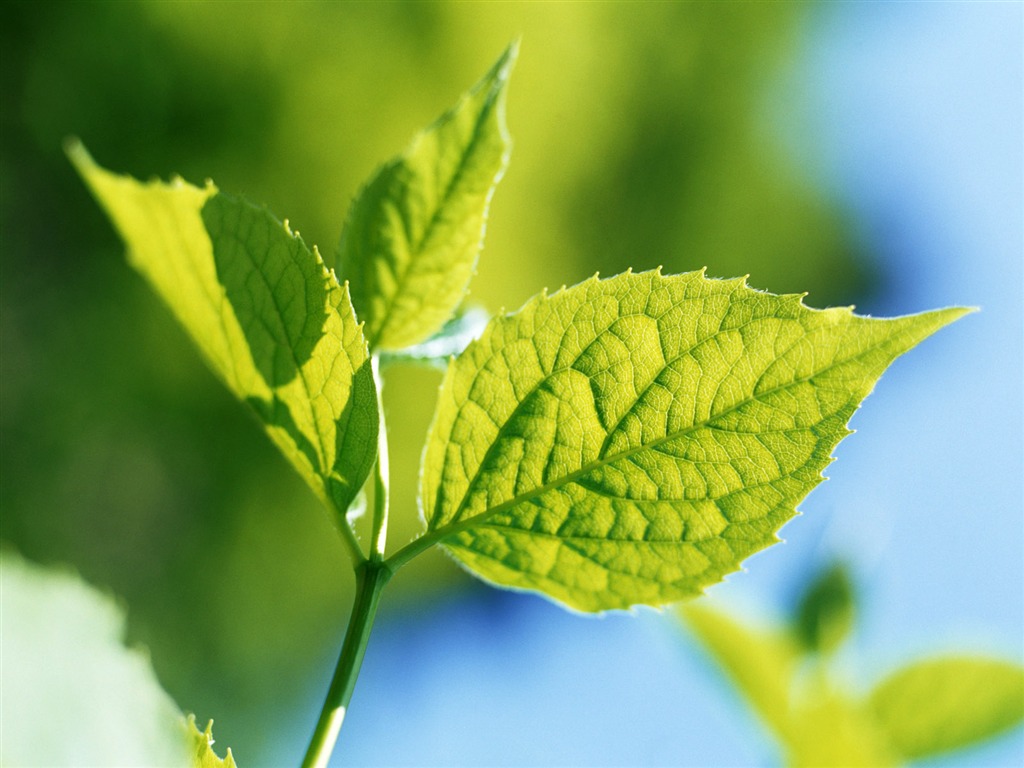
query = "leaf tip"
x=507 y=60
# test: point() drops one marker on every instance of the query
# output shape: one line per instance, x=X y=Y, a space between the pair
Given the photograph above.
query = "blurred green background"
x=644 y=135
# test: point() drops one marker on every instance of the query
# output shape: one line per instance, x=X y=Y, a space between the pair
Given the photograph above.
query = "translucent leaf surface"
x=271 y=320
x=203 y=755
x=943 y=704
x=631 y=440
x=450 y=341
x=72 y=694
x=412 y=237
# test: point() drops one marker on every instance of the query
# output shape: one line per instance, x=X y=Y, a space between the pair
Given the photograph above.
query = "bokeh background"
x=866 y=153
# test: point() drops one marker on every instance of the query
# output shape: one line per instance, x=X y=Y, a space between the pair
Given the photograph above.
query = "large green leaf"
x=271 y=320
x=632 y=440
x=412 y=237
x=943 y=704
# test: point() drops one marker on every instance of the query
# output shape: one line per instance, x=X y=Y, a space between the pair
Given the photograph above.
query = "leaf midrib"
x=460 y=525
x=572 y=366
x=300 y=369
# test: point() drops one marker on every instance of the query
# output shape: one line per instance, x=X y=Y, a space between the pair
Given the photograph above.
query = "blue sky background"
x=910 y=114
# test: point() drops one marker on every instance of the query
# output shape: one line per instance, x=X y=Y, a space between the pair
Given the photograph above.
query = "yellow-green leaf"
x=632 y=440
x=201 y=742
x=412 y=236
x=942 y=704
x=272 y=322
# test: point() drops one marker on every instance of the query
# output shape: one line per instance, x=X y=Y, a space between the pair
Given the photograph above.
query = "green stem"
x=370 y=580
x=417 y=547
x=371 y=576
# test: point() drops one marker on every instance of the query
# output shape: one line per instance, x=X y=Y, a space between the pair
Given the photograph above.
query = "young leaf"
x=943 y=704
x=272 y=322
x=632 y=440
x=411 y=240
x=825 y=614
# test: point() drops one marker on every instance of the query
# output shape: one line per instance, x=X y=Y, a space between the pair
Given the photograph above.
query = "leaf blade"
x=632 y=440
x=272 y=323
x=412 y=236
x=942 y=704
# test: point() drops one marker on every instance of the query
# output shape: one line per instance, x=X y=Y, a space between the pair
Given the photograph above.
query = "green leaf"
x=203 y=755
x=72 y=693
x=632 y=440
x=826 y=612
x=411 y=240
x=272 y=322
x=942 y=704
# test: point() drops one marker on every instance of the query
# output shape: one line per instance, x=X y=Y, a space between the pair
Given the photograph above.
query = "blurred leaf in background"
x=926 y=708
x=825 y=614
x=72 y=694
x=640 y=140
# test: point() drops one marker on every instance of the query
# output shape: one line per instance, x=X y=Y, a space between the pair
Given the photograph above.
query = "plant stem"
x=371 y=576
